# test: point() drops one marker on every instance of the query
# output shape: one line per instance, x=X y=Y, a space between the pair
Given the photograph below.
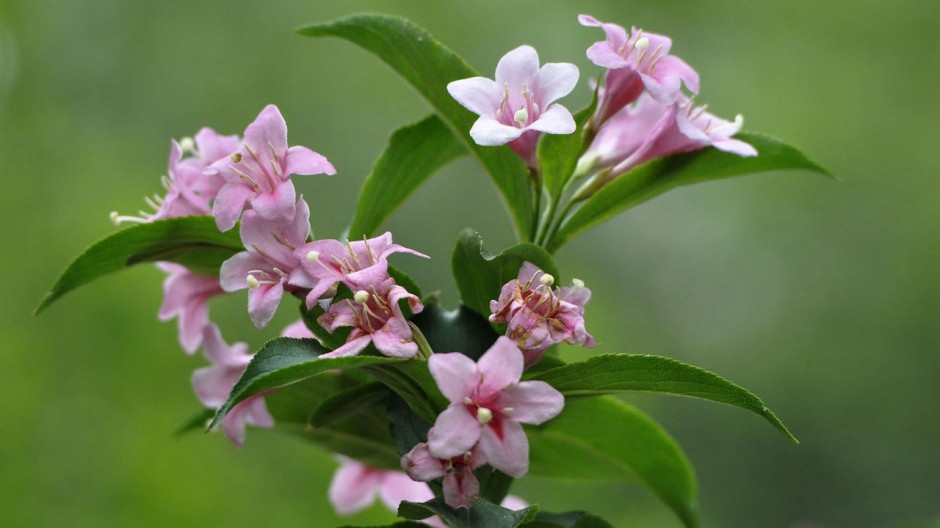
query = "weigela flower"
x=298 y=330
x=488 y=404
x=270 y=264
x=352 y=263
x=375 y=317
x=518 y=105
x=186 y=296
x=461 y=487
x=636 y=62
x=538 y=316
x=213 y=385
x=355 y=486
x=257 y=174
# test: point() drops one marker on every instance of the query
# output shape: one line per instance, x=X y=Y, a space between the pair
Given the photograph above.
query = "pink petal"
x=395 y=339
x=673 y=66
x=229 y=204
x=263 y=301
x=233 y=425
x=735 y=146
x=350 y=348
x=421 y=465
x=212 y=146
x=455 y=431
x=461 y=489
x=456 y=375
x=219 y=352
x=353 y=487
x=512 y=502
x=301 y=160
x=277 y=205
x=500 y=366
x=602 y=55
x=516 y=67
x=532 y=402
x=397 y=487
x=298 y=330
x=233 y=275
x=554 y=81
x=489 y=132
x=509 y=452
x=556 y=120
x=258 y=414
x=477 y=94
x=212 y=385
x=267 y=132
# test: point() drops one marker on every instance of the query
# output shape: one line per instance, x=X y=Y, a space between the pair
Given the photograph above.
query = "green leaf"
x=193 y=241
x=403 y=524
x=577 y=519
x=414 y=153
x=658 y=176
x=480 y=276
x=614 y=373
x=461 y=330
x=428 y=66
x=558 y=153
x=405 y=281
x=412 y=381
x=349 y=403
x=285 y=360
x=605 y=439
x=196 y=423
x=407 y=428
x=483 y=514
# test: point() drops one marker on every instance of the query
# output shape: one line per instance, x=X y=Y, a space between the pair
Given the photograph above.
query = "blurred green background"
x=822 y=297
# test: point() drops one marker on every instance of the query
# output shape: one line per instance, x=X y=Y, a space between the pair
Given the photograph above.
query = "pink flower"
x=539 y=317
x=298 y=330
x=257 y=175
x=331 y=261
x=518 y=105
x=213 y=385
x=375 y=317
x=488 y=404
x=186 y=296
x=355 y=486
x=636 y=62
x=461 y=487
x=269 y=265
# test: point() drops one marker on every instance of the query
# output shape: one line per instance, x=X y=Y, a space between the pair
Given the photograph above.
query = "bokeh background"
x=823 y=297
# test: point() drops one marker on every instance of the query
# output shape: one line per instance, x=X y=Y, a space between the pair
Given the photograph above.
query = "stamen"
x=313 y=256
x=248 y=179
x=484 y=415
x=187 y=145
x=117 y=219
x=274 y=152
x=507 y=410
x=149 y=201
x=352 y=254
x=642 y=43
x=236 y=157
x=372 y=255
x=547 y=279
x=698 y=112
x=467 y=400
x=157 y=198
x=276 y=167
x=739 y=121
x=577 y=283
x=361 y=296
x=166 y=181
x=521 y=116
x=252 y=281
x=280 y=272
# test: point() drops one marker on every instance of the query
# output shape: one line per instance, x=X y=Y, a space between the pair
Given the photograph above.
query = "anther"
x=507 y=410
x=236 y=157
x=467 y=400
x=361 y=296
x=739 y=121
x=252 y=282
x=117 y=219
x=642 y=43
x=312 y=256
x=521 y=116
x=187 y=145
x=547 y=279
x=577 y=283
x=484 y=415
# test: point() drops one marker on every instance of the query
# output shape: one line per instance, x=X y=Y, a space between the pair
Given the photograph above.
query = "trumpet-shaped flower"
x=519 y=104
x=355 y=486
x=186 y=296
x=461 y=487
x=270 y=265
x=375 y=317
x=635 y=62
x=257 y=174
x=539 y=316
x=353 y=263
x=488 y=404
x=214 y=383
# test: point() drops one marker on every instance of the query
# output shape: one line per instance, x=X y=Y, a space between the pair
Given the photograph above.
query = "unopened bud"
x=577 y=283
x=521 y=116
x=312 y=256
x=361 y=296
x=547 y=279
x=252 y=282
x=484 y=415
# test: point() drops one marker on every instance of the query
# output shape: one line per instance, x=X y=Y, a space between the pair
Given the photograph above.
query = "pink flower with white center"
x=636 y=62
x=355 y=486
x=352 y=263
x=461 y=487
x=488 y=404
x=269 y=266
x=257 y=175
x=518 y=105
x=375 y=317
x=538 y=316
x=189 y=190
x=186 y=296
x=213 y=385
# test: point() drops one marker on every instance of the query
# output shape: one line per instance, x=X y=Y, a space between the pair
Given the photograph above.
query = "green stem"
x=536 y=179
x=553 y=230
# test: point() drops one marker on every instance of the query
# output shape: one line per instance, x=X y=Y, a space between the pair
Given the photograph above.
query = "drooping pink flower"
x=353 y=263
x=488 y=404
x=375 y=317
x=270 y=264
x=636 y=62
x=257 y=175
x=355 y=486
x=214 y=383
x=538 y=316
x=186 y=296
x=518 y=105
x=461 y=487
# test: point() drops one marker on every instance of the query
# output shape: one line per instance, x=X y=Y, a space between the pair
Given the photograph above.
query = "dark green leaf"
x=558 y=153
x=412 y=381
x=403 y=524
x=285 y=360
x=407 y=428
x=659 y=176
x=193 y=241
x=461 y=330
x=494 y=484
x=605 y=439
x=349 y=403
x=483 y=514
x=613 y=373
x=332 y=341
x=480 y=276
x=413 y=154
x=196 y=423
x=428 y=66
x=405 y=281
x=575 y=519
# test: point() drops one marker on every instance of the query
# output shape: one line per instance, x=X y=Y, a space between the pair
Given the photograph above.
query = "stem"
x=553 y=230
x=536 y=178
x=547 y=219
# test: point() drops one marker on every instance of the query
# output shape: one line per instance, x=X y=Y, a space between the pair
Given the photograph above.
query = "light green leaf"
x=483 y=514
x=193 y=241
x=558 y=153
x=658 y=176
x=428 y=66
x=480 y=275
x=613 y=373
x=605 y=439
x=413 y=154
x=196 y=423
x=575 y=519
